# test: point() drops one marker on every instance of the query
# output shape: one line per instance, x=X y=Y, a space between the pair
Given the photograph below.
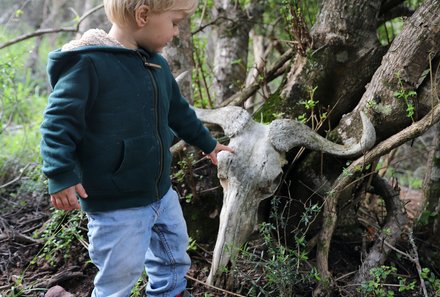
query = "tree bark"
x=343 y=58
x=432 y=186
x=231 y=47
x=395 y=224
x=87 y=23
x=179 y=56
x=50 y=16
x=407 y=55
x=346 y=179
x=405 y=66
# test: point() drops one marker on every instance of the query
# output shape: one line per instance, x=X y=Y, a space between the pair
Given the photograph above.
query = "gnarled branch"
x=351 y=173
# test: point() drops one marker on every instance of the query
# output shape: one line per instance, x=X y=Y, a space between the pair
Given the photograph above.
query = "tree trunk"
x=179 y=56
x=87 y=23
x=406 y=56
x=231 y=47
x=344 y=42
x=432 y=186
x=404 y=68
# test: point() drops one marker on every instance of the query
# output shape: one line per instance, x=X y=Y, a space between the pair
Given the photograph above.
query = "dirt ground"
x=18 y=249
x=22 y=275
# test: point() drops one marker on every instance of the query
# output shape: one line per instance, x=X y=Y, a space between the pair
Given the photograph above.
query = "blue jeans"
x=123 y=242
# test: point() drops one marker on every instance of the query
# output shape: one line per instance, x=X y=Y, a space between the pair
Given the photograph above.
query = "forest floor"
x=24 y=273
x=20 y=268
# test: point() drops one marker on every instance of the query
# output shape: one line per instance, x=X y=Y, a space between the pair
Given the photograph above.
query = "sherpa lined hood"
x=91 y=37
x=92 y=40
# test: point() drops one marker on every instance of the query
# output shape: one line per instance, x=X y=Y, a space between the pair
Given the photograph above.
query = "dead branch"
x=213 y=287
x=17 y=178
x=349 y=176
x=278 y=68
x=40 y=32
x=18 y=237
x=59 y=278
x=415 y=260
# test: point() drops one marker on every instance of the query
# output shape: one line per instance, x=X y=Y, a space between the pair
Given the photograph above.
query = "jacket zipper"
x=148 y=65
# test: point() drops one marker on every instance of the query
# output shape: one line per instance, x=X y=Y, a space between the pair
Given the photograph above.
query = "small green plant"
x=315 y=115
x=202 y=76
x=14 y=292
x=307 y=217
x=192 y=245
x=184 y=168
x=404 y=286
x=376 y=287
x=345 y=171
x=278 y=115
x=302 y=118
x=281 y=268
x=184 y=174
x=139 y=287
x=426 y=216
x=21 y=109
x=371 y=104
x=431 y=280
x=59 y=233
x=188 y=197
x=310 y=105
x=405 y=95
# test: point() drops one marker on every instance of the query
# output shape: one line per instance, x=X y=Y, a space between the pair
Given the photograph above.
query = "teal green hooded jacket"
x=110 y=122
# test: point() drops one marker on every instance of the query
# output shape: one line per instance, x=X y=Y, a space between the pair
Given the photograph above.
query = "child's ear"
x=141 y=15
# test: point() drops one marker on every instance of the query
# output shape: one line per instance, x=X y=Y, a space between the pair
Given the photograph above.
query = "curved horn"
x=179 y=79
x=286 y=134
x=231 y=118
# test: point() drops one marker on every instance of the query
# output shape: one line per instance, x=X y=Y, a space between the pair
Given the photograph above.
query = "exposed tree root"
x=347 y=178
x=395 y=223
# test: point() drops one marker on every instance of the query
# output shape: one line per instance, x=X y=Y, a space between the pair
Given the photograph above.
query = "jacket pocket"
x=138 y=165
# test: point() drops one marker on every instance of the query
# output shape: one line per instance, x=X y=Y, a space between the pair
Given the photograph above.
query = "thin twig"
x=40 y=32
x=278 y=68
x=213 y=287
x=201 y=28
x=17 y=178
x=398 y=251
x=345 y=275
x=417 y=263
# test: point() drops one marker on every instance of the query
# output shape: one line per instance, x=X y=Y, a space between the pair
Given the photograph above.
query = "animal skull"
x=254 y=171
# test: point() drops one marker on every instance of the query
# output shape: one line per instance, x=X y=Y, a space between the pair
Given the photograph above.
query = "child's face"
x=159 y=30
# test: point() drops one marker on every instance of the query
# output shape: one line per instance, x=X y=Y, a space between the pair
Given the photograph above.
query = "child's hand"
x=218 y=148
x=66 y=199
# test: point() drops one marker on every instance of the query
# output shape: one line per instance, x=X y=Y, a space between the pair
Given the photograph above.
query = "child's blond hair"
x=122 y=11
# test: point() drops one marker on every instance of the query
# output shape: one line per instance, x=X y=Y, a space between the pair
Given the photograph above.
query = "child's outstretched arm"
x=218 y=148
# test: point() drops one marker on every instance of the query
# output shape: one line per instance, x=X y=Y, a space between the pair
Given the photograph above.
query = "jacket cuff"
x=62 y=181
x=206 y=143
